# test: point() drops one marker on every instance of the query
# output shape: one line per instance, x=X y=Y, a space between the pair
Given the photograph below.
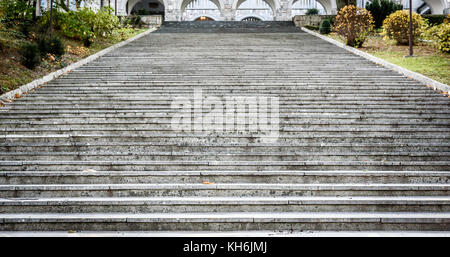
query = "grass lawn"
x=429 y=61
x=13 y=74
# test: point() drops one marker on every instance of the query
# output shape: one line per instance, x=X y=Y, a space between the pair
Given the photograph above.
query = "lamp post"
x=51 y=18
x=411 y=39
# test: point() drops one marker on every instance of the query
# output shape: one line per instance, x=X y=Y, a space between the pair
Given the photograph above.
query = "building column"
x=172 y=14
x=228 y=13
x=284 y=11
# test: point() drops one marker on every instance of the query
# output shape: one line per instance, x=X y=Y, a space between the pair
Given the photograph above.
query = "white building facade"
x=237 y=10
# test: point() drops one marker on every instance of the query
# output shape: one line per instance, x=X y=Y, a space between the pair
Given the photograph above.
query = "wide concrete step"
x=226 y=221
x=31 y=128
x=221 y=165
x=91 y=176
x=225 y=148
x=225 y=204
x=222 y=189
x=213 y=138
x=324 y=97
x=224 y=156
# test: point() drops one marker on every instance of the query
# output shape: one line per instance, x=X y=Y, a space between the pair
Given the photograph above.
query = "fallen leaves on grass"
x=17 y=95
x=207 y=183
x=78 y=50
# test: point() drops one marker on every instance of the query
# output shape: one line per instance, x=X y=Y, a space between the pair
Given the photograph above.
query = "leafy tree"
x=16 y=11
x=312 y=11
x=380 y=9
x=353 y=24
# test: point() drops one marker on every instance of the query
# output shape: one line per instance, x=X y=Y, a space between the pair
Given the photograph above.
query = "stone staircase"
x=360 y=147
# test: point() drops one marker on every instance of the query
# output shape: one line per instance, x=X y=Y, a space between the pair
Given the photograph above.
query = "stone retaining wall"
x=152 y=20
x=310 y=20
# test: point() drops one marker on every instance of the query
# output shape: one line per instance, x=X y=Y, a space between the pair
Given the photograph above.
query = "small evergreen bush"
x=312 y=11
x=30 y=55
x=56 y=46
x=52 y=45
x=43 y=45
x=325 y=27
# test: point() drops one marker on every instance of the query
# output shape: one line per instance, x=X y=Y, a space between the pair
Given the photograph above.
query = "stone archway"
x=252 y=18
x=151 y=6
x=214 y=12
x=259 y=9
x=274 y=4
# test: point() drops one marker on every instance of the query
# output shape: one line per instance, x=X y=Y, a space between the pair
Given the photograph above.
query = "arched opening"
x=300 y=7
x=204 y=18
x=251 y=18
x=192 y=10
x=256 y=9
x=145 y=7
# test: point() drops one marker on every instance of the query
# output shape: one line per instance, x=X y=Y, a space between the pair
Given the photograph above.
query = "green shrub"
x=105 y=22
x=56 y=46
x=325 y=27
x=312 y=11
x=311 y=27
x=434 y=19
x=73 y=26
x=52 y=45
x=87 y=41
x=44 y=21
x=14 y=11
x=43 y=45
x=396 y=27
x=380 y=9
x=133 y=20
x=440 y=34
x=331 y=18
x=353 y=24
x=30 y=55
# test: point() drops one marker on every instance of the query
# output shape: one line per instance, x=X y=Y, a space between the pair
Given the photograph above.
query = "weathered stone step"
x=43 y=128
x=42 y=131
x=225 y=204
x=227 y=221
x=306 y=98
x=294 y=85
x=221 y=165
x=290 y=96
x=222 y=176
x=225 y=137
x=301 y=120
x=219 y=189
x=223 y=156
x=22 y=111
x=217 y=147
